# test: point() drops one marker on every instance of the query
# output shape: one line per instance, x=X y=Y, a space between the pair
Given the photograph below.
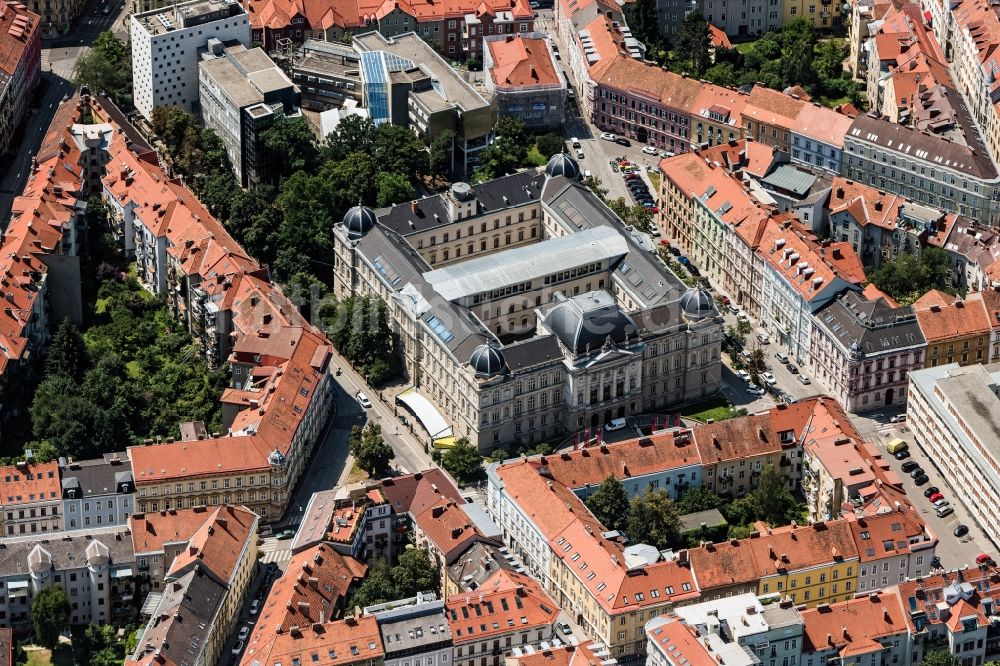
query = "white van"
x=615 y=424
x=782 y=357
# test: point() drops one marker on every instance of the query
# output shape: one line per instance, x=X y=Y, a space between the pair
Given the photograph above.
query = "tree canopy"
x=98 y=645
x=693 y=42
x=359 y=329
x=907 y=277
x=463 y=462
x=67 y=353
x=414 y=572
x=940 y=658
x=506 y=153
x=653 y=519
x=610 y=504
x=289 y=146
x=50 y=613
x=106 y=68
x=370 y=451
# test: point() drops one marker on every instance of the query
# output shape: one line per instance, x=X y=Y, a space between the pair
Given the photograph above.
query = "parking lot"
x=954 y=552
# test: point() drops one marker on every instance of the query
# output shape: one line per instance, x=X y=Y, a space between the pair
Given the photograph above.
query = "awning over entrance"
x=445 y=442
x=426 y=413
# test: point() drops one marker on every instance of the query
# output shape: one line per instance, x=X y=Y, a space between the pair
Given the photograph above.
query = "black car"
x=792 y=368
x=961 y=531
x=622 y=141
x=909 y=466
x=931 y=491
x=902 y=454
x=921 y=480
x=918 y=471
x=638 y=186
x=936 y=562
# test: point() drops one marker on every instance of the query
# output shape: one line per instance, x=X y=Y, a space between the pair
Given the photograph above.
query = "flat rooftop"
x=449 y=87
x=246 y=76
x=186 y=15
x=529 y=262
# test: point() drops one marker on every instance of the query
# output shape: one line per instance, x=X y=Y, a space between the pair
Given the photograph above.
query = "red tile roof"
x=563 y=655
x=772 y=107
x=448 y=527
x=29 y=483
x=507 y=602
x=520 y=61
x=855 y=626
x=414 y=493
x=889 y=534
x=943 y=317
x=219 y=543
x=348 y=641
x=18 y=28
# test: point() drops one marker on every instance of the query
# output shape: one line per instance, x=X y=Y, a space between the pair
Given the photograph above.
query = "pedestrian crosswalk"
x=278 y=552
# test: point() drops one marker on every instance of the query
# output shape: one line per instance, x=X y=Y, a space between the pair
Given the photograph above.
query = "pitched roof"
x=152 y=531
x=347 y=641
x=521 y=61
x=772 y=107
x=889 y=534
x=855 y=626
x=448 y=527
x=562 y=655
x=18 y=28
x=219 y=543
x=943 y=317
x=507 y=602
x=672 y=90
x=28 y=483
x=795 y=548
x=822 y=124
x=415 y=493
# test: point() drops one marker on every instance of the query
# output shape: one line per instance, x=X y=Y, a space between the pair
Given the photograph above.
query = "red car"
x=984 y=558
x=725 y=300
x=935 y=497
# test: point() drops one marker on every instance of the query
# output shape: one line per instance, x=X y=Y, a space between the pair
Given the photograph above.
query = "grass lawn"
x=356 y=474
x=534 y=157
x=62 y=656
x=745 y=47
x=713 y=408
x=654 y=179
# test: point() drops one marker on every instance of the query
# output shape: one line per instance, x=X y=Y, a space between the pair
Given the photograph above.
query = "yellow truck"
x=896 y=445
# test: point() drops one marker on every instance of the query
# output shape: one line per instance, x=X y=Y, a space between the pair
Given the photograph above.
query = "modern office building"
x=166 y=44
x=241 y=93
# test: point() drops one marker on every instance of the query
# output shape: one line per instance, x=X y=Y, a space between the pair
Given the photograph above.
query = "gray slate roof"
x=876 y=326
x=99 y=476
x=67 y=552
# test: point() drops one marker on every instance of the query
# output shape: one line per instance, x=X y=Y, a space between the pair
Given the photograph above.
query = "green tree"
x=399 y=150
x=595 y=185
x=940 y=658
x=305 y=237
x=354 y=134
x=441 y=153
x=67 y=353
x=370 y=451
x=393 y=188
x=415 y=572
x=699 y=499
x=289 y=146
x=377 y=587
x=693 y=42
x=549 y=144
x=98 y=645
x=653 y=519
x=772 y=501
x=610 y=504
x=506 y=153
x=907 y=277
x=463 y=462
x=49 y=614
x=105 y=68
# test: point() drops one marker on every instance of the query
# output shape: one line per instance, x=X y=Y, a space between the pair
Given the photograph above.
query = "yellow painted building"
x=823 y=14
x=956 y=330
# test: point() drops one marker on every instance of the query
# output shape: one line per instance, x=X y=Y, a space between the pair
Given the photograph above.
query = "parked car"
x=781 y=356
x=666 y=153
x=565 y=629
x=724 y=299
x=742 y=317
x=902 y=454
x=898 y=418
x=763 y=339
x=931 y=491
x=984 y=558
x=769 y=379
x=622 y=141
x=792 y=368
x=744 y=375
x=961 y=531
x=917 y=471
x=579 y=153
x=753 y=389
x=615 y=424
x=654 y=209
x=244 y=632
x=735 y=309
x=608 y=136
x=587 y=173
x=909 y=466
x=238 y=648
x=941 y=503
x=575 y=142
x=254 y=606
x=921 y=480
x=789 y=400
x=941 y=513
x=285 y=534
x=363 y=400
x=936 y=496
x=804 y=380
x=649 y=150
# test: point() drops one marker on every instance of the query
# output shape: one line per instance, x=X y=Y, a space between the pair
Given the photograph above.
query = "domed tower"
x=359 y=220
x=40 y=568
x=562 y=165
x=697 y=303
x=98 y=556
x=487 y=361
x=279 y=472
